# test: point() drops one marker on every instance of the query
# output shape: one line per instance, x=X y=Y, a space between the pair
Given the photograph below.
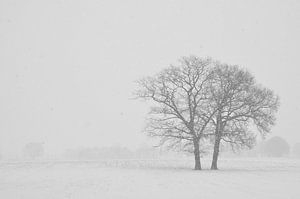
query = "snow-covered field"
x=237 y=178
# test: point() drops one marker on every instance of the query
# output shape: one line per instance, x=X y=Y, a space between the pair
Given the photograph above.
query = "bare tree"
x=179 y=117
x=240 y=103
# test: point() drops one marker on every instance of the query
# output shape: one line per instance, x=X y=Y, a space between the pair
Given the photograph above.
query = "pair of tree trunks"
x=214 y=164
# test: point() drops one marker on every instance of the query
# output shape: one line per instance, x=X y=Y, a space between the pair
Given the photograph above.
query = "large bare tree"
x=240 y=104
x=178 y=116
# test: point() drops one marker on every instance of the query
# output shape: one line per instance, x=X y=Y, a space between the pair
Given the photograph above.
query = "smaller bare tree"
x=180 y=97
x=240 y=103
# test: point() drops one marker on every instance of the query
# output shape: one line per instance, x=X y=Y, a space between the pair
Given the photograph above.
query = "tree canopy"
x=201 y=99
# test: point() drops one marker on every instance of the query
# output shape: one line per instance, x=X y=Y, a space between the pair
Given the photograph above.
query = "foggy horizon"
x=68 y=68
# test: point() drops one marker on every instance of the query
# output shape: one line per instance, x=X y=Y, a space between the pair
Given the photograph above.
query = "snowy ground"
x=237 y=178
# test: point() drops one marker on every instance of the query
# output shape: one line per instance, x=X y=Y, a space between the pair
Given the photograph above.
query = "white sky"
x=67 y=68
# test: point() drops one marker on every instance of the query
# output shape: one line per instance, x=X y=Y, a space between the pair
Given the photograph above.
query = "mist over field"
x=149 y=99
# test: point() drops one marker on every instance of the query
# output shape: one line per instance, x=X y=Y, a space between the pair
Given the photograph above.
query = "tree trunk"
x=214 y=164
x=218 y=131
x=197 y=155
